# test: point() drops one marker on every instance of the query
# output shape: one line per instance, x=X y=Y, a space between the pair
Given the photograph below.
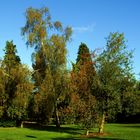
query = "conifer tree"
x=17 y=85
x=10 y=63
x=81 y=87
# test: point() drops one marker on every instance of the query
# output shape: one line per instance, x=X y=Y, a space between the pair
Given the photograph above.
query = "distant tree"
x=130 y=96
x=112 y=65
x=49 y=60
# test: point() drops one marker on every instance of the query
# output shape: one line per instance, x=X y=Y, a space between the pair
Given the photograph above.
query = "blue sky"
x=92 y=21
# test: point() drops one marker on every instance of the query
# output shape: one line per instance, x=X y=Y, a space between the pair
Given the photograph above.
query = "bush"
x=7 y=123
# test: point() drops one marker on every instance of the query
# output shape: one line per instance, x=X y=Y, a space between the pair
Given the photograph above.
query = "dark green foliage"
x=10 y=58
x=83 y=55
x=17 y=85
x=6 y=123
x=9 y=65
x=18 y=108
x=130 y=106
x=2 y=94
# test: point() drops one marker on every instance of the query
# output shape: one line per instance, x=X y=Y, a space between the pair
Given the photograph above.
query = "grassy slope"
x=116 y=131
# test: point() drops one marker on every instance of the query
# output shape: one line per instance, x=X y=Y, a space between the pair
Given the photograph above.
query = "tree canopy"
x=99 y=87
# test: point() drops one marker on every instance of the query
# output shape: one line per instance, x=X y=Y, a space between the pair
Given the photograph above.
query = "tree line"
x=100 y=87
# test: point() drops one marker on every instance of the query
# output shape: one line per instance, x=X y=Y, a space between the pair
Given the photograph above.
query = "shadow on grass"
x=131 y=126
x=29 y=136
x=74 y=131
x=90 y=138
x=68 y=130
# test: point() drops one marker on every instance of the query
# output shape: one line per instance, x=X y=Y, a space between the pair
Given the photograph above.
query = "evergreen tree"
x=2 y=89
x=81 y=87
x=10 y=63
x=10 y=59
x=17 y=85
x=83 y=55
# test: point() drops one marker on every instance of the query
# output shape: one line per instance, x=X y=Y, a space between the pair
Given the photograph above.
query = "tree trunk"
x=87 y=132
x=21 y=124
x=57 y=118
x=101 y=127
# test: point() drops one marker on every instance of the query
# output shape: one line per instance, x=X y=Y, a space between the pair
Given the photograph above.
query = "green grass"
x=124 y=131
x=71 y=132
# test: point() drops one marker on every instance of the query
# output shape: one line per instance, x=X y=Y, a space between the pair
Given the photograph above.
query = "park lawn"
x=71 y=132
x=124 y=131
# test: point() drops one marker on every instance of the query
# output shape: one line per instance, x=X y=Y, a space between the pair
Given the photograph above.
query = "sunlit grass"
x=70 y=132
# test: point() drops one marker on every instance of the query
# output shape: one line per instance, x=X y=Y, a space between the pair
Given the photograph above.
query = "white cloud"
x=81 y=29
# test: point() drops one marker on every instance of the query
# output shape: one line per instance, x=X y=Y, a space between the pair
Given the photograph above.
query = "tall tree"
x=49 y=60
x=81 y=88
x=2 y=89
x=113 y=64
x=17 y=85
x=85 y=64
x=83 y=103
x=10 y=63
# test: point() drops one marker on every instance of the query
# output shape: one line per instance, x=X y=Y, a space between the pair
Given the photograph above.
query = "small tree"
x=112 y=66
